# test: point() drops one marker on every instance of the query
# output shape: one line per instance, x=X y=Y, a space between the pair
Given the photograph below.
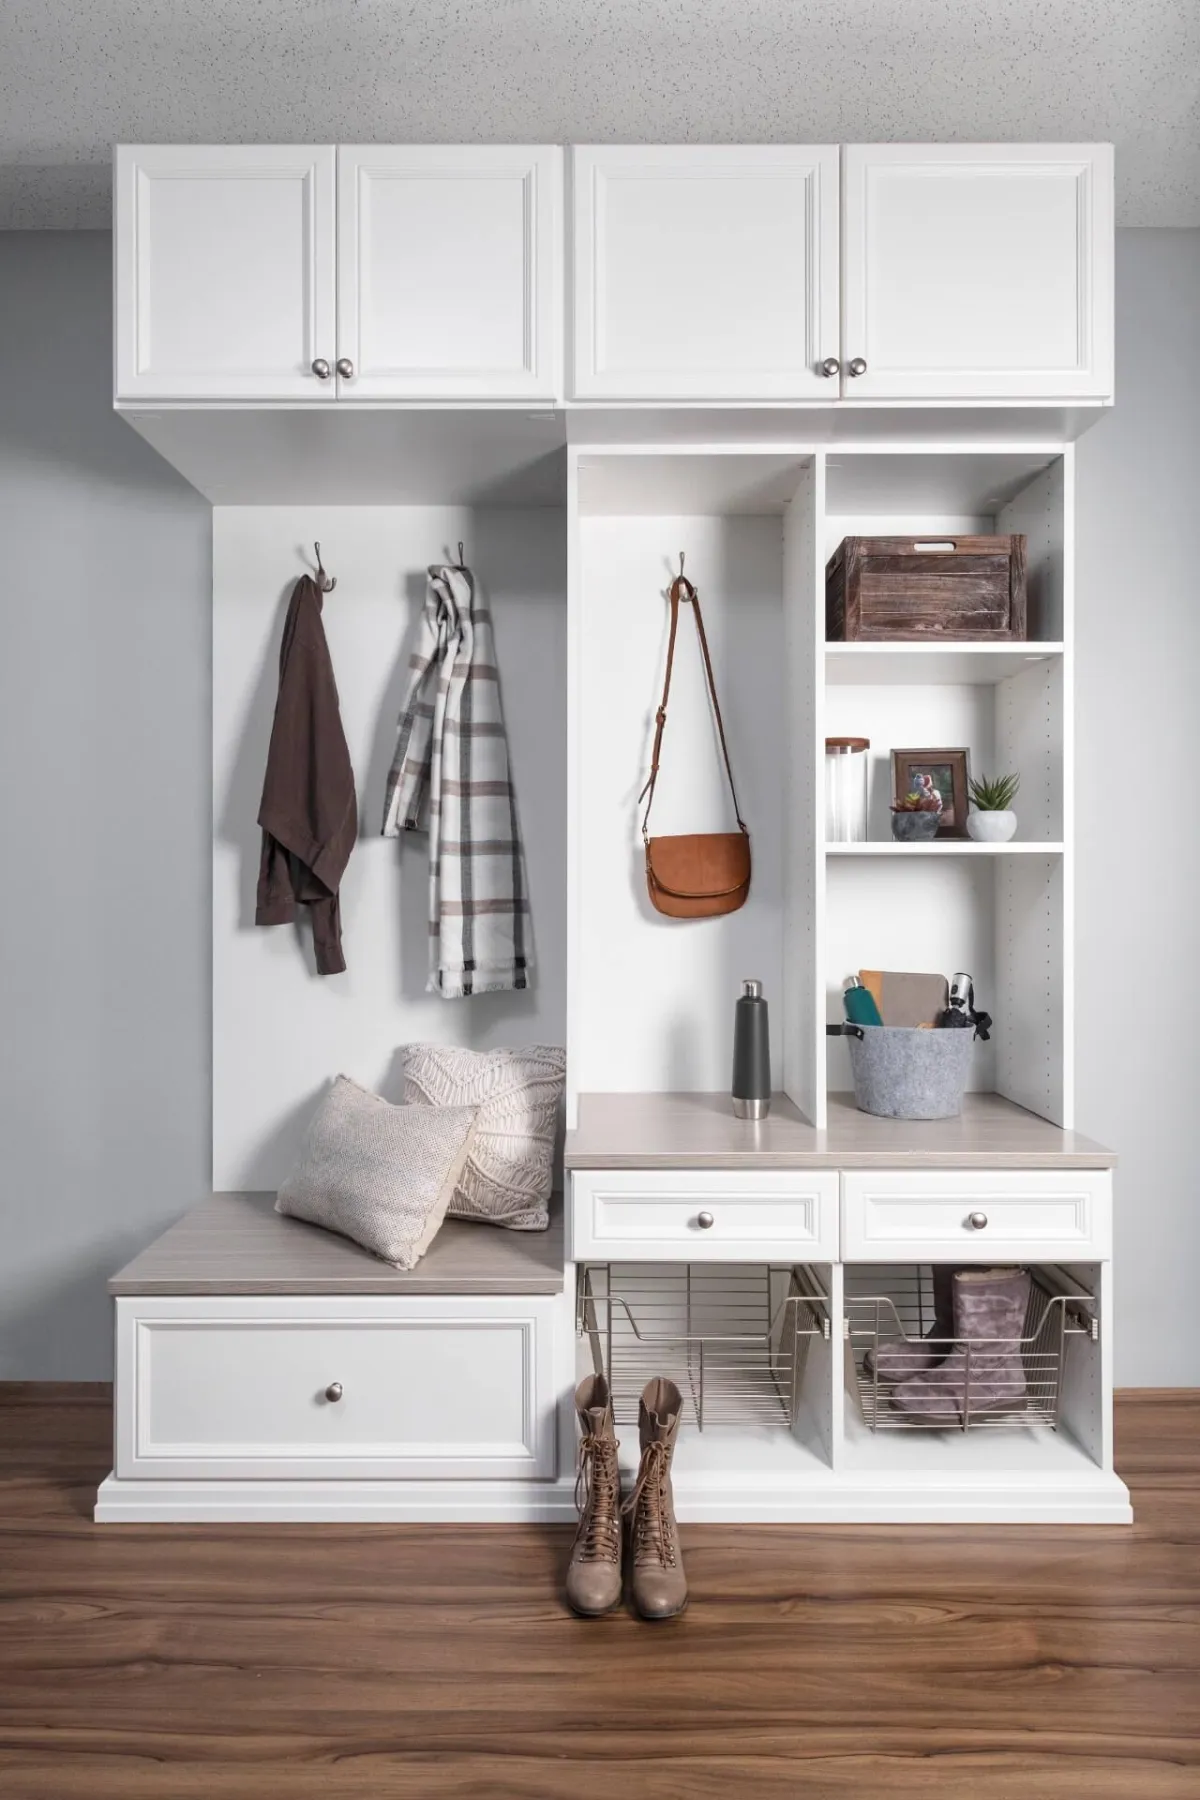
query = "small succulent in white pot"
x=994 y=821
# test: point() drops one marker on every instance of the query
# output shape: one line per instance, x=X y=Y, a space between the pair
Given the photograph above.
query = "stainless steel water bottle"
x=751 y=1054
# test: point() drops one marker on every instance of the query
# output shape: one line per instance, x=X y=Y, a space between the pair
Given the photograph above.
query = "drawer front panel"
x=703 y=1215
x=975 y=1216
x=344 y=1389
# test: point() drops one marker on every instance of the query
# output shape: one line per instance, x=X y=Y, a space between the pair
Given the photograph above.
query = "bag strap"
x=682 y=589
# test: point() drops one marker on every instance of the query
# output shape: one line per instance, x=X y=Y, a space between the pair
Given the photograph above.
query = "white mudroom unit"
x=619 y=397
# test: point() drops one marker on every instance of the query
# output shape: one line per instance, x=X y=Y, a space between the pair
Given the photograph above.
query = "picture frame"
x=949 y=771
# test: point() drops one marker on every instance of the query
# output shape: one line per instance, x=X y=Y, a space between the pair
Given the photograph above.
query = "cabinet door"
x=449 y=262
x=705 y=273
x=977 y=271
x=224 y=272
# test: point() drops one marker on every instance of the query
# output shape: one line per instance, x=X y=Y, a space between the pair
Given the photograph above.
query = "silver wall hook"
x=325 y=582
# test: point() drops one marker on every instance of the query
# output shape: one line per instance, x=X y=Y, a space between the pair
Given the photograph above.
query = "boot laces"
x=597 y=1496
x=653 y=1535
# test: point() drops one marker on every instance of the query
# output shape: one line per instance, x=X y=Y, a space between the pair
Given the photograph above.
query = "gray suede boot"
x=594 y=1575
x=897 y=1359
x=983 y=1373
x=657 y=1581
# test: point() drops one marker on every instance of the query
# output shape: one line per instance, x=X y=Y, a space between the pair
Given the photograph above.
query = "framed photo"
x=945 y=770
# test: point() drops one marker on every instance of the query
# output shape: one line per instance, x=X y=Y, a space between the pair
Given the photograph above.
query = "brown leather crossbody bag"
x=703 y=874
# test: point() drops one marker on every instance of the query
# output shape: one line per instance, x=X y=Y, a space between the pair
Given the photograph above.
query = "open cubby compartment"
x=1065 y=1423
x=751 y=1347
x=277 y=1034
x=934 y=494
x=1001 y=919
x=651 y=1004
x=1005 y=722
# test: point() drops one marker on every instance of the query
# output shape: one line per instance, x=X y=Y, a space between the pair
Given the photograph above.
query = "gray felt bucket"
x=903 y=1074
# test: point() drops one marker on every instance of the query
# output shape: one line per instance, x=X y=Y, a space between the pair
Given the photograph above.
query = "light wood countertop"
x=236 y=1243
x=698 y=1131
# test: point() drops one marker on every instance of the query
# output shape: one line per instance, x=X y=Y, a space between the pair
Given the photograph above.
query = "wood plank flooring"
x=436 y=1663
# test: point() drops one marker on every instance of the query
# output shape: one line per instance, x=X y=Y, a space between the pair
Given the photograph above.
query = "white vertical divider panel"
x=1035 y=913
x=1068 y=811
x=835 y=1367
x=1039 y=510
x=574 y=1027
x=1029 y=741
x=1086 y=1400
x=803 y=810
x=1030 y=1006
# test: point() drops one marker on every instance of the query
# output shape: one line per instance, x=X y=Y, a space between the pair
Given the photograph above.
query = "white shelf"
x=942 y=665
x=961 y=1456
x=943 y=847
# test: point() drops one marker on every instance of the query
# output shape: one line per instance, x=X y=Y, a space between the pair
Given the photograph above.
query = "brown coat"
x=308 y=814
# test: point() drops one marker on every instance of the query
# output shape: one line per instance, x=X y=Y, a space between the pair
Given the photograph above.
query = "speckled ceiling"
x=79 y=75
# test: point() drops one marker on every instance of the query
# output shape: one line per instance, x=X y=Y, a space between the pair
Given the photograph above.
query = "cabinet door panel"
x=978 y=271
x=448 y=271
x=705 y=273
x=224 y=272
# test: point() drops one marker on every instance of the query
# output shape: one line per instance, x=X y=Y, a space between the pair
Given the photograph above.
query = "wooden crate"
x=935 y=587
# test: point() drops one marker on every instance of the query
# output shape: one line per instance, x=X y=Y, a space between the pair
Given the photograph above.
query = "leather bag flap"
x=701 y=865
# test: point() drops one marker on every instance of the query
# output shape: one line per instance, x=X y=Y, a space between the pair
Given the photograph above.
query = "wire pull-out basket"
x=734 y=1338
x=888 y=1313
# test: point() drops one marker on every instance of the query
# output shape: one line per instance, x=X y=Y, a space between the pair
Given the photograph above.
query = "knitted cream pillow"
x=509 y=1173
x=380 y=1174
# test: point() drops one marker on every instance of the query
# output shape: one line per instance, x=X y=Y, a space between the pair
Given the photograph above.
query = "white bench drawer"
x=703 y=1215
x=976 y=1216
x=245 y=1387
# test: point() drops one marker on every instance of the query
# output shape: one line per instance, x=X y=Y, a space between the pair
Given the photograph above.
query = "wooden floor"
x=203 y=1663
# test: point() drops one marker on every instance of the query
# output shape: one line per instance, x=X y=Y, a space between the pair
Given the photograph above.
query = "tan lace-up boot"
x=594 y=1575
x=658 y=1584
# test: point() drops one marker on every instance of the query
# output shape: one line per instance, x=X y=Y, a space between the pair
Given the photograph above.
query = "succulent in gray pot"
x=994 y=821
x=915 y=818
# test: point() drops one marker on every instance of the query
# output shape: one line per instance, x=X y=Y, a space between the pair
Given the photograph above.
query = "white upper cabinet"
x=449 y=262
x=278 y=273
x=977 y=271
x=705 y=272
x=224 y=272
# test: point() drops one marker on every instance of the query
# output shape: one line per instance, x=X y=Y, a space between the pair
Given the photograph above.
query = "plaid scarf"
x=450 y=776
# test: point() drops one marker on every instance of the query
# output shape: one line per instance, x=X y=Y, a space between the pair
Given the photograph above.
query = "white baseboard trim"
x=333 y=1502
x=1093 y=1499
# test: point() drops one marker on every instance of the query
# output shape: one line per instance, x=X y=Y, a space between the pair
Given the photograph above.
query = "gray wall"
x=1139 y=827
x=104 y=734
x=106 y=853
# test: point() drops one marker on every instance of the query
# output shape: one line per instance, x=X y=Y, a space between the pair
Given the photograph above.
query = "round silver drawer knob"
x=345 y=368
x=831 y=366
x=704 y=1220
x=333 y=1391
x=857 y=365
x=321 y=369
x=977 y=1221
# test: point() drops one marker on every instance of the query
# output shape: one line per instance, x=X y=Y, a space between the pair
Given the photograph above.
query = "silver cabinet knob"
x=345 y=368
x=977 y=1221
x=704 y=1220
x=321 y=369
x=857 y=365
x=333 y=1391
x=831 y=366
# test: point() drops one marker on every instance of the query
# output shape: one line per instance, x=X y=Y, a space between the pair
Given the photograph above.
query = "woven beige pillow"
x=380 y=1174
x=509 y=1172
